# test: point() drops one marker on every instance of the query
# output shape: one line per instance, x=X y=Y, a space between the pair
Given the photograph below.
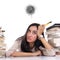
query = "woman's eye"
x=29 y=31
x=34 y=32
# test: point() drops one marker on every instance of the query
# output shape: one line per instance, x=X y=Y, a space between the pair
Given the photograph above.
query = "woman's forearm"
x=21 y=54
x=45 y=43
x=26 y=53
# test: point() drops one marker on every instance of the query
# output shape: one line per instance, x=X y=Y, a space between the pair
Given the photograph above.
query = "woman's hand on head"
x=40 y=30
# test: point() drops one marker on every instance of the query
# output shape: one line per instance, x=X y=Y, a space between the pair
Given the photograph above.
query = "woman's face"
x=32 y=34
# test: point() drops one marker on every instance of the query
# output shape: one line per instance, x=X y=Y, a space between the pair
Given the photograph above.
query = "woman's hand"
x=37 y=53
x=40 y=30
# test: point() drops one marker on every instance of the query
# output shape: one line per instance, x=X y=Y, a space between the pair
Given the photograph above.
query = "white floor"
x=32 y=58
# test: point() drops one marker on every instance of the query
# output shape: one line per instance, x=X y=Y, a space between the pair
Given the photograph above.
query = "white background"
x=14 y=19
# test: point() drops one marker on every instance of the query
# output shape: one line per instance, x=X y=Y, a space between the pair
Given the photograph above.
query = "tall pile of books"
x=2 y=44
x=53 y=36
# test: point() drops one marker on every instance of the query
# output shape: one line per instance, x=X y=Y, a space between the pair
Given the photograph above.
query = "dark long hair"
x=25 y=45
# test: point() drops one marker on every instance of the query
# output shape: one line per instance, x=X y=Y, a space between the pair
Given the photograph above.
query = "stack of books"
x=53 y=36
x=2 y=44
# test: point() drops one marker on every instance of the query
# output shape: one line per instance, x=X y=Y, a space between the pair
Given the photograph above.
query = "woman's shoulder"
x=20 y=38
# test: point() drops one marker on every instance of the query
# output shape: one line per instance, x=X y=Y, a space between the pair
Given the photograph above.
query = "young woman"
x=28 y=45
